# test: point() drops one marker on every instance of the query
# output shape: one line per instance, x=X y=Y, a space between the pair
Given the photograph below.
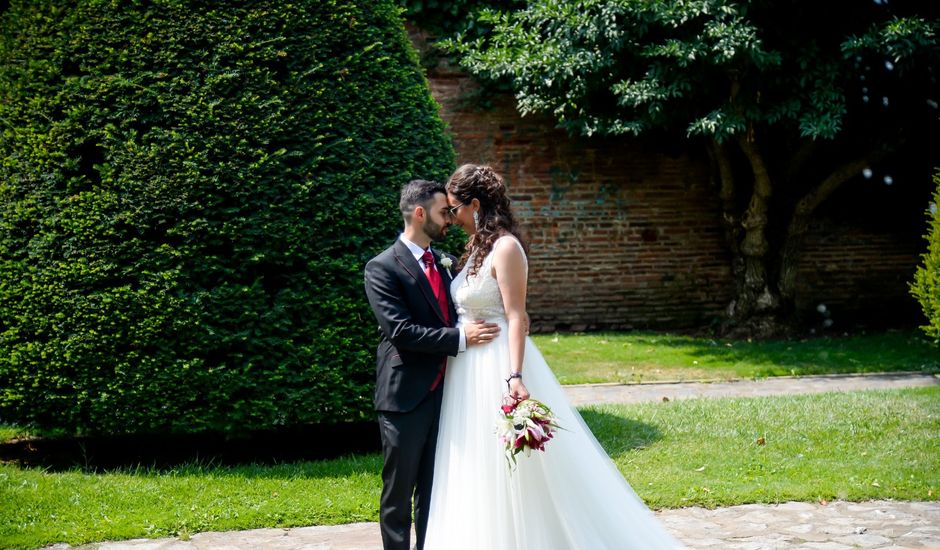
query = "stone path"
x=587 y=394
x=835 y=526
x=886 y=525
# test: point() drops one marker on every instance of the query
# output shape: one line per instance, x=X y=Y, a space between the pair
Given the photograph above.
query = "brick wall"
x=626 y=237
x=861 y=277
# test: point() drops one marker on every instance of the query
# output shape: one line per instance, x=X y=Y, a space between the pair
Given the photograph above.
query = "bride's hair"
x=473 y=181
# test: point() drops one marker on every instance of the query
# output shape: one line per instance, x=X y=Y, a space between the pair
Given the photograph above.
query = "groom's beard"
x=434 y=231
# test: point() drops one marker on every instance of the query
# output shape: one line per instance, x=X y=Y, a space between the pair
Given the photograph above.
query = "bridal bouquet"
x=524 y=426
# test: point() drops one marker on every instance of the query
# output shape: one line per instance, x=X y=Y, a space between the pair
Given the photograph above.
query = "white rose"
x=446 y=262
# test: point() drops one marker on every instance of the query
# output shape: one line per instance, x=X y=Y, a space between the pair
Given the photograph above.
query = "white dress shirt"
x=419 y=253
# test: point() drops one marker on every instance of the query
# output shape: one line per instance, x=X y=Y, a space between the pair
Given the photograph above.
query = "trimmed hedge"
x=926 y=286
x=188 y=194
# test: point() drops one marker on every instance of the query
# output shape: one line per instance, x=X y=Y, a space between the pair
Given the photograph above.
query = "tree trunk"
x=765 y=296
x=754 y=309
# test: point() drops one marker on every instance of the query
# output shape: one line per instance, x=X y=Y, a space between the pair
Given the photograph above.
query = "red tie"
x=437 y=285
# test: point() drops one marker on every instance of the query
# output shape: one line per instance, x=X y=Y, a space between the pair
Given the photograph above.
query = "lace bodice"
x=478 y=297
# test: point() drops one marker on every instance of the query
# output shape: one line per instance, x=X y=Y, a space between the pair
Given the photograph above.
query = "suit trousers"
x=409 y=440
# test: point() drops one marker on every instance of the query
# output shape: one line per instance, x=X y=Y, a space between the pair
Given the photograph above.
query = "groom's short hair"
x=418 y=193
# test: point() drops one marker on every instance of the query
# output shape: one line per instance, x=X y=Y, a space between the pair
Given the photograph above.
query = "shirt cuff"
x=463 y=342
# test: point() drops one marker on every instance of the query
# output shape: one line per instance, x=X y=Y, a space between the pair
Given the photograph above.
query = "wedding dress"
x=571 y=497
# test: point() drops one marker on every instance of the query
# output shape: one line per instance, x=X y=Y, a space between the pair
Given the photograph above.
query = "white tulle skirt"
x=571 y=497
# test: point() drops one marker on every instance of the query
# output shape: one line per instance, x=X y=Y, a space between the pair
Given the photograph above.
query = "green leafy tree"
x=926 y=285
x=790 y=100
x=188 y=194
x=446 y=17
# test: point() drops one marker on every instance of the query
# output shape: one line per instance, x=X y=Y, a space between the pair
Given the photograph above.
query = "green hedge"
x=189 y=192
x=926 y=286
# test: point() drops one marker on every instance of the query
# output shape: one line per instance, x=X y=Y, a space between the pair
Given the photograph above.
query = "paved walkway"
x=836 y=526
x=884 y=525
x=587 y=394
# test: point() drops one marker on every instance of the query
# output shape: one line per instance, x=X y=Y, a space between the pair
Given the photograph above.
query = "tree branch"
x=730 y=218
x=719 y=155
x=840 y=175
x=799 y=221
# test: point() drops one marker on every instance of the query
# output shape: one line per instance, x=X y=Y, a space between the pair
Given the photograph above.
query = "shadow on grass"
x=163 y=451
x=890 y=351
x=616 y=433
x=289 y=453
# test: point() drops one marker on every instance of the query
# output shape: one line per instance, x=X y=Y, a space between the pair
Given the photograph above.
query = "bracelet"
x=511 y=376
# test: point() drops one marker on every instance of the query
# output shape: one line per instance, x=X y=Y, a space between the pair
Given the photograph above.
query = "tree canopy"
x=790 y=100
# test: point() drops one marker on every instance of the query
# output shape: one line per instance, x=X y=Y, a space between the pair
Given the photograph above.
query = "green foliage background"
x=188 y=194
x=926 y=286
x=447 y=17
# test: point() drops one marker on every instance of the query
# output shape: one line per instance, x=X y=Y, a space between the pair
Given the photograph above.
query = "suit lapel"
x=407 y=260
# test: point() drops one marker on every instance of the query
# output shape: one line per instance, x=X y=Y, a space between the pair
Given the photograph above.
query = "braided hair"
x=472 y=181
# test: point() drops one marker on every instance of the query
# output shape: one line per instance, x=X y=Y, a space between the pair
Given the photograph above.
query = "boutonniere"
x=446 y=263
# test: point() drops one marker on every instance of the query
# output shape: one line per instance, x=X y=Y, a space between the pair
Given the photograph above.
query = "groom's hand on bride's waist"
x=480 y=332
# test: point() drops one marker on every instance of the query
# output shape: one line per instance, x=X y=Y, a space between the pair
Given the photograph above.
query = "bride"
x=571 y=497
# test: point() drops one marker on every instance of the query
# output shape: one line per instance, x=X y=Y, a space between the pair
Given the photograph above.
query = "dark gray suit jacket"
x=414 y=338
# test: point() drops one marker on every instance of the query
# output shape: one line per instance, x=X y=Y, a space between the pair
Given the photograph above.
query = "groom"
x=408 y=287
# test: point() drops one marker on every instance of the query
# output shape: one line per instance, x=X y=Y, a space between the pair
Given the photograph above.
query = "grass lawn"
x=852 y=446
x=38 y=508
x=8 y=433
x=848 y=446
x=644 y=357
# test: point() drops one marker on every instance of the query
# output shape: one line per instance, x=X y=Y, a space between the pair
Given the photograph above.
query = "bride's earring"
x=476 y=219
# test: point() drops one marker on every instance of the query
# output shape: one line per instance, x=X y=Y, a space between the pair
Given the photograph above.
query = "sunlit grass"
x=643 y=357
x=849 y=446
x=9 y=433
x=39 y=507
x=854 y=446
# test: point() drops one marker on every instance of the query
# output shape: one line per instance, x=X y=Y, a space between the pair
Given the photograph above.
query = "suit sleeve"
x=395 y=318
